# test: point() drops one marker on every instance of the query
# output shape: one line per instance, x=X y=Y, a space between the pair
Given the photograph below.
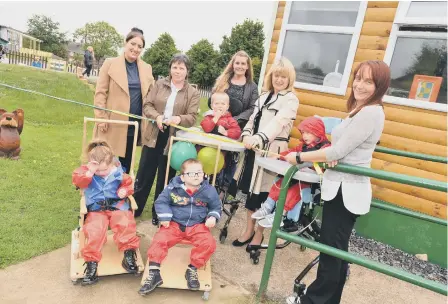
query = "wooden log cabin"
x=326 y=41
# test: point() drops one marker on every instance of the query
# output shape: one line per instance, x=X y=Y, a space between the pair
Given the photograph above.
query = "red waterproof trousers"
x=199 y=235
x=292 y=197
x=122 y=224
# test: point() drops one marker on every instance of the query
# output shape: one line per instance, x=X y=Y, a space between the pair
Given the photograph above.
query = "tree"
x=249 y=37
x=160 y=54
x=204 y=61
x=45 y=29
x=102 y=36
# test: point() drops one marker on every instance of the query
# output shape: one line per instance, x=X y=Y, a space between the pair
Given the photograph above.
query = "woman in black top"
x=237 y=81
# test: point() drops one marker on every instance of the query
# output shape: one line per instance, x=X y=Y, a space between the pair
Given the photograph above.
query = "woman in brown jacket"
x=268 y=129
x=172 y=101
x=121 y=84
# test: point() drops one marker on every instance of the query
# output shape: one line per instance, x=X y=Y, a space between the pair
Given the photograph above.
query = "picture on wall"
x=425 y=88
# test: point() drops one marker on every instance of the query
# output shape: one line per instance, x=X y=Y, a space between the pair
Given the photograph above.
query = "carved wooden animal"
x=11 y=126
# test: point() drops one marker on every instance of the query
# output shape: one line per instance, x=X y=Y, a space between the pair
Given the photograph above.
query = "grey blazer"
x=353 y=142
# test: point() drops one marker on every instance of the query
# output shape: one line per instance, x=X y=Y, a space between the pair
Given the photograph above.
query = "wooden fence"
x=47 y=63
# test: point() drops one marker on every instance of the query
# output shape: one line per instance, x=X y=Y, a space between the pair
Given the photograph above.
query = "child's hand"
x=165 y=224
x=93 y=166
x=122 y=193
x=210 y=222
x=217 y=115
x=222 y=130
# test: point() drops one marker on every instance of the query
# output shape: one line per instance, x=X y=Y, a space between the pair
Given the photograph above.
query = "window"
x=417 y=56
x=320 y=39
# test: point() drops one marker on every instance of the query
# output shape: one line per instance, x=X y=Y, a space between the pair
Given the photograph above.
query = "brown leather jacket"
x=186 y=106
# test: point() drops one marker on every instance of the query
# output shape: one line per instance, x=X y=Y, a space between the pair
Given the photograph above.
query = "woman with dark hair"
x=172 y=101
x=346 y=196
x=121 y=84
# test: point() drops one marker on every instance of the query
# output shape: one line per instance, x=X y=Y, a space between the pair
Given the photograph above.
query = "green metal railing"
x=433 y=158
x=350 y=257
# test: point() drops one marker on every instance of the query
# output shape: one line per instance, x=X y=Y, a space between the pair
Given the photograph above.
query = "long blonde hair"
x=222 y=82
x=283 y=67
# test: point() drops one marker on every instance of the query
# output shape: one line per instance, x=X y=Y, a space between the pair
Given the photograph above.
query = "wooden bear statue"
x=11 y=125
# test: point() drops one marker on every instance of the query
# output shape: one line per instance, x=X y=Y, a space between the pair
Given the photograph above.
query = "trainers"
x=130 y=261
x=261 y=213
x=191 y=275
x=268 y=221
x=90 y=274
x=153 y=280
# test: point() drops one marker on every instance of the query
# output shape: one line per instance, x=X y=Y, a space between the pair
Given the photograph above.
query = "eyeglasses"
x=194 y=174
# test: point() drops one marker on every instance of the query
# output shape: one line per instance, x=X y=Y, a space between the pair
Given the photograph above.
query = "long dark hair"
x=135 y=32
x=380 y=76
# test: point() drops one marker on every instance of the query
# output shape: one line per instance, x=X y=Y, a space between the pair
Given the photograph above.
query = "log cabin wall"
x=406 y=128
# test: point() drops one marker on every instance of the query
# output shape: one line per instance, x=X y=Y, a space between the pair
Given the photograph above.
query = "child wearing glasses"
x=187 y=208
x=106 y=188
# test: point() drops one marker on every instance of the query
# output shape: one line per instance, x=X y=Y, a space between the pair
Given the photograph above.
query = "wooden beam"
x=273 y=47
x=410 y=202
x=404 y=115
x=413 y=163
x=391 y=167
x=372 y=43
x=406 y=144
x=381 y=29
x=275 y=36
x=380 y=4
x=430 y=195
x=383 y=14
x=280 y=11
x=364 y=54
x=271 y=57
x=278 y=24
x=418 y=110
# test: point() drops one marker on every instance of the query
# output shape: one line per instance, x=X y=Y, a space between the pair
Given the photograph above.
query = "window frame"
x=355 y=31
x=401 y=19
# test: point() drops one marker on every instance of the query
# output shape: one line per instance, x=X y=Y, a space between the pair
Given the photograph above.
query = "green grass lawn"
x=39 y=206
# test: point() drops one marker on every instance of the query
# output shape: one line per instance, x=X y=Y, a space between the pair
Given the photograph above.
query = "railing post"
x=275 y=226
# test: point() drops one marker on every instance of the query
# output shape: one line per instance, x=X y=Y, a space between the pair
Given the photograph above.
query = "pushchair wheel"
x=223 y=236
x=255 y=256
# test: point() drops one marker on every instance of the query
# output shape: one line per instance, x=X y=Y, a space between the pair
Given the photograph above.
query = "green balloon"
x=180 y=152
x=207 y=156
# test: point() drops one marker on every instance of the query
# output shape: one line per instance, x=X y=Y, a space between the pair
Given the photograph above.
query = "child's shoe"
x=130 y=261
x=90 y=274
x=153 y=280
x=289 y=225
x=191 y=275
x=268 y=221
x=262 y=212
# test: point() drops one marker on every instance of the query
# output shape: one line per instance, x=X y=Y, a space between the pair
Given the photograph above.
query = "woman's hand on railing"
x=332 y=164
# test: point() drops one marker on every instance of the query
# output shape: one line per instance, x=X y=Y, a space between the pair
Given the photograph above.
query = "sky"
x=188 y=22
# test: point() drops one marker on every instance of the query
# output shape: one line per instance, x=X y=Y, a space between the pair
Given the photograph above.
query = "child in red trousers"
x=313 y=138
x=106 y=188
x=187 y=208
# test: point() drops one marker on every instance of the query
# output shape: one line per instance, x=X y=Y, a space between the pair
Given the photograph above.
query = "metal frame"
x=400 y=19
x=349 y=257
x=355 y=31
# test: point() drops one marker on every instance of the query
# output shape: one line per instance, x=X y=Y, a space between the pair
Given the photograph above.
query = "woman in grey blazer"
x=347 y=196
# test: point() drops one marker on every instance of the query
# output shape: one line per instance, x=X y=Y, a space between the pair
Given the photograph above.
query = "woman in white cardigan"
x=346 y=196
x=268 y=128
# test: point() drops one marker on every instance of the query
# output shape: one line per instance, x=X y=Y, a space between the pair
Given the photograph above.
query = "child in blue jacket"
x=186 y=208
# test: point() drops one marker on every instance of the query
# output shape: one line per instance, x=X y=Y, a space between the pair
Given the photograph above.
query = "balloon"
x=180 y=152
x=207 y=156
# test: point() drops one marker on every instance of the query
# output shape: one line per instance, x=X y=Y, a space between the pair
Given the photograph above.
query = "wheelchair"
x=110 y=263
